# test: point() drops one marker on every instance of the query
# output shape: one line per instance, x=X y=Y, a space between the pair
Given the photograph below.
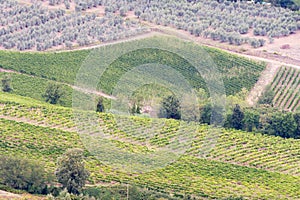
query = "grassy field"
x=241 y=164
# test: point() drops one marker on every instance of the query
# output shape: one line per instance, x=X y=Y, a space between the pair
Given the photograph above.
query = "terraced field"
x=241 y=164
x=286 y=86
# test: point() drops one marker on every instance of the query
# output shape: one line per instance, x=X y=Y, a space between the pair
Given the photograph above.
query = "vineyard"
x=35 y=87
x=286 y=87
x=237 y=72
x=67 y=24
x=101 y=54
x=239 y=165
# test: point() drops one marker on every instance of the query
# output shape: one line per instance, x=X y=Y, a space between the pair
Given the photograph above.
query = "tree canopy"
x=71 y=172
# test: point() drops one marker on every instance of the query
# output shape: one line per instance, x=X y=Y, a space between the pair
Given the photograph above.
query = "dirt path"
x=8 y=195
x=265 y=79
x=267 y=76
x=186 y=36
x=132 y=38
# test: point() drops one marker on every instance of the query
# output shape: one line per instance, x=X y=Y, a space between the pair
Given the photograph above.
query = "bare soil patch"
x=8 y=195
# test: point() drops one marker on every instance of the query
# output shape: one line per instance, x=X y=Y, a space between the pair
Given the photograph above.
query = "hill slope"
x=237 y=72
x=242 y=164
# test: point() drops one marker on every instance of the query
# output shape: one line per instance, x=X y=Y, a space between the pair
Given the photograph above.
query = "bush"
x=53 y=93
x=6 y=85
x=267 y=97
x=170 y=108
x=24 y=174
x=71 y=172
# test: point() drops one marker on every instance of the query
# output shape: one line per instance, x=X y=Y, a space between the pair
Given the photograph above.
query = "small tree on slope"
x=71 y=172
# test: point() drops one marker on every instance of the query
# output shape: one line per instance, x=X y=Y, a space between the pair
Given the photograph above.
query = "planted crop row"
x=286 y=87
x=236 y=147
x=35 y=87
x=27 y=27
x=187 y=175
x=237 y=72
x=225 y=21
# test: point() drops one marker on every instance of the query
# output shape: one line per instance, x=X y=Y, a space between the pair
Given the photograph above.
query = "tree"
x=71 y=172
x=283 y=125
x=53 y=93
x=212 y=114
x=267 y=96
x=251 y=120
x=170 y=108
x=237 y=118
x=24 y=174
x=123 y=11
x=6 y=85
x=135 y=109
x=205 y=113
x=100 y=105
x=297 y=120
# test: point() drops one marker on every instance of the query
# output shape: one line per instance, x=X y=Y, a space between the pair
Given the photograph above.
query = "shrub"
x=24 y=174
x=53 y=93
x=6 y=85
x=71 y=172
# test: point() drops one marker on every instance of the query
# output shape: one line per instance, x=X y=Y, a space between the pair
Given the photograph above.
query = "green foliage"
x=237 y=72
x=65 y=195
x=100 y=105
x=234 y=198
x=237 y=118
x=205 y=113
x=60 y=67
x=286 y=94
x=24 y=174
x=251 y=119
x=253 y=161
x=283 y=124
x=6 y=84
x=135 y=109
x=212 y=114
x=71 y=172
x=53 y=93
x=267 y=97
x=170 y=108
x=33 y=87
x=297 y=120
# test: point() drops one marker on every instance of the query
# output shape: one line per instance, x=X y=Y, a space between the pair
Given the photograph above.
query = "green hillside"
x=236 y=72
x=165 y=155
x=241 y=164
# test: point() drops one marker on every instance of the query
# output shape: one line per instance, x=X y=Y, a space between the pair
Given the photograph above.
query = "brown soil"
x=265 y=79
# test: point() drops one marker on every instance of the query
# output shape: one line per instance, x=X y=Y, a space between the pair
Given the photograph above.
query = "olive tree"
x=53 y=93
x=71 y=172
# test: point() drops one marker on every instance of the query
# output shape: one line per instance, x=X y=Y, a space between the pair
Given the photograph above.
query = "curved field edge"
x=237 y=72
x=204 y=177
